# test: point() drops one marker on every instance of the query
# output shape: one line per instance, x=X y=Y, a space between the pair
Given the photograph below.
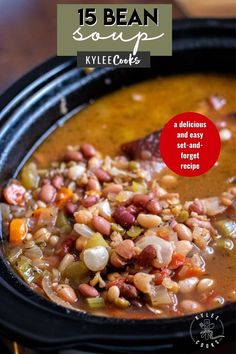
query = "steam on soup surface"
x=96 y=230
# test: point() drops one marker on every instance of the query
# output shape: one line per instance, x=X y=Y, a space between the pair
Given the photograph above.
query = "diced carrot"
x=189 y=271
x=14 y=193
x=163 y=232
x=63 y=196
x=42 y=211
x=177 y=261
x=18 y=230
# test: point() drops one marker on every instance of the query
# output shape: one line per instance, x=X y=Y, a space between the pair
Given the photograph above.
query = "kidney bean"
x=71 y=208
x=101 y=225
x=47 y=193
x=65 y=247
x=140 y=199
x=102 y=175
x=134 y=209
x=128 y=291
x=147 y=255
x=73 y=156
x=57 y=182
x=112 y=188
x=125 y=249
x=154 y=207
x=89 y=201
x=88 y=291
x=124 y=217
x=88 y=150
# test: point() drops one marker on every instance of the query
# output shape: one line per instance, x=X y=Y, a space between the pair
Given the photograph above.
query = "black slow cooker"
x=29 y=111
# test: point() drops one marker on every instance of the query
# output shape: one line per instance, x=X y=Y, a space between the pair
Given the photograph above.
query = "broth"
x=134 y=112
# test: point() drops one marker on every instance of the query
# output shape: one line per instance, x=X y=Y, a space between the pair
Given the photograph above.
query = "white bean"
x=190 y=306
x=148 y=220
x=188 y=285
x=113 y=293
x=205 y=284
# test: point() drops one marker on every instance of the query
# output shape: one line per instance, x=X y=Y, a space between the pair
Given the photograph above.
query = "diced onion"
x=83 y=230
x=47 y=287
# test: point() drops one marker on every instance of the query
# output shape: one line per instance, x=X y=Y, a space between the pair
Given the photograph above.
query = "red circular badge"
x=190 y=144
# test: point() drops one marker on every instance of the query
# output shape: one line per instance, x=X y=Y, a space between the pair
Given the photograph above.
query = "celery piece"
x=117 y=228
x=63 y=223
x=95 y=302
x=96 y=240
x=77 y=273
x=138 y=188
x=25 y=269
x=29 y=176
x=134 y=231
x=183 y=216
x=13 y=254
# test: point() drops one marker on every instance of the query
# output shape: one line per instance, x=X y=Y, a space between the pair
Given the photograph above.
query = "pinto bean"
x=88 y=291
x=124 y=217
x=101 y=225
x=57 y=182
x=112 y=188
x=93 y=184
x=89 y=201
x=117 y=261
x=102 y=175
x=184 y=233
x=72 y=155
x=88 y=150
x=47 y=193
x=147 y=255
x=125 y=249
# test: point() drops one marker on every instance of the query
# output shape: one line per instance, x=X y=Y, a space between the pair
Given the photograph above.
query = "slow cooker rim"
x=64 y=64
